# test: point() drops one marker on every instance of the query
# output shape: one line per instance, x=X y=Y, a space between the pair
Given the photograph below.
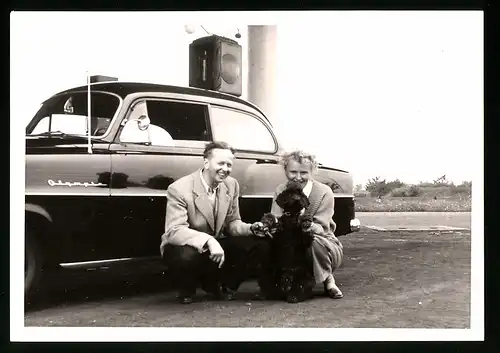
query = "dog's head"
x=292 y=200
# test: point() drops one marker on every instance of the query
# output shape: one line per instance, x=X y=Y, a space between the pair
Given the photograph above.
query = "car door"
x=141 y=173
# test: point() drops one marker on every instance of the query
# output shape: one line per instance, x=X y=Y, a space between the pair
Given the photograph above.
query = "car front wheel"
x=32 y=266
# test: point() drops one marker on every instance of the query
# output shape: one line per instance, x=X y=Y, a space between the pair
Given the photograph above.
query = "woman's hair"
x=300 y=157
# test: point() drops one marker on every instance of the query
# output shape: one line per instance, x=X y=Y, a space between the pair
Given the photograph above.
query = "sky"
x=389 y=94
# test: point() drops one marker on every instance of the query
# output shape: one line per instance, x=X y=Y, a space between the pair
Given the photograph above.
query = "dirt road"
x=390 y=280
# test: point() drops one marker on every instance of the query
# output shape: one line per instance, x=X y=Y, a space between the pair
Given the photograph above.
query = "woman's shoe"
x=331 y=288
x=334 y=293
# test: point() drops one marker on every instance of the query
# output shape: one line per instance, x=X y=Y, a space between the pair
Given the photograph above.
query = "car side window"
x=241 y=130
x=173 y=123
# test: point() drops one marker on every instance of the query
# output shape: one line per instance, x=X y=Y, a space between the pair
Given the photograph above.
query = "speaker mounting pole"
x=262 y=67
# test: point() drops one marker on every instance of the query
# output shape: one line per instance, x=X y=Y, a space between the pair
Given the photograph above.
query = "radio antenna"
x=89 y=126
x=206 y=30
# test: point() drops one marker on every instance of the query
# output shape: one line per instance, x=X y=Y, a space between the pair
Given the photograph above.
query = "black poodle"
x=293 y=276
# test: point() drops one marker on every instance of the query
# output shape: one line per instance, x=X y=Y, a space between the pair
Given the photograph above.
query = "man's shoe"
x=226 y=294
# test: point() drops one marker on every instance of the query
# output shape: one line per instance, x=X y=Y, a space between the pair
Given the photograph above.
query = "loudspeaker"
x=215 y=64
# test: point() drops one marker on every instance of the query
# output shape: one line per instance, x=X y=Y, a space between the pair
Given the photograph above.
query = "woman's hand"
x=306 y=224
x=309 y=226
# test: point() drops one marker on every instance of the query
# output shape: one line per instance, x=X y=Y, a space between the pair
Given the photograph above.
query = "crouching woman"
x=326 y=252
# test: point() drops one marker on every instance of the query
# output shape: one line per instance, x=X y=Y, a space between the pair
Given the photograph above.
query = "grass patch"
x=412 y=204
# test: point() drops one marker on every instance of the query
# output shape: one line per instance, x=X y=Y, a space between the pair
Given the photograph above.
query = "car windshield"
x=68 y=114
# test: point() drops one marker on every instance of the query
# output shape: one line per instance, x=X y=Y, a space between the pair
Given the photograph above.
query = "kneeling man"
x=205 y=239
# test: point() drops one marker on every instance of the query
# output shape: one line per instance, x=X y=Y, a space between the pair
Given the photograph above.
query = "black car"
x=96 y=181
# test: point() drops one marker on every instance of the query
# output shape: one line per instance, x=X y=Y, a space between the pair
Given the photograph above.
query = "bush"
x=406 y=191
x=461 y=190
x=432 y=191
x=395 y=184
x=413 y=191
x=423 y=184
x=398 y=192
x=378 y=187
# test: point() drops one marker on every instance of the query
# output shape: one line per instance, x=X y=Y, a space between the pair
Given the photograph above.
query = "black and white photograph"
x=263 y=176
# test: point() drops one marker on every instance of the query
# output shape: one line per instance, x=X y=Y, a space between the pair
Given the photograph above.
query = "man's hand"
x=260 y=230
x=216 y=251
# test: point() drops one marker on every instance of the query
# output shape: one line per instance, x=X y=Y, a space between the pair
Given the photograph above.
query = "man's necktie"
x=216 y=208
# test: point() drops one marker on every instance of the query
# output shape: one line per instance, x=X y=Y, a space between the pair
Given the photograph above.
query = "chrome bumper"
x=355 y=225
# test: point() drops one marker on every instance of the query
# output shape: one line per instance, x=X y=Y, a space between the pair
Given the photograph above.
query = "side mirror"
x=136 y=131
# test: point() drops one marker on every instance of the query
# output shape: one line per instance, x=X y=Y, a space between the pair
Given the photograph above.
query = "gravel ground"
x=389 y=280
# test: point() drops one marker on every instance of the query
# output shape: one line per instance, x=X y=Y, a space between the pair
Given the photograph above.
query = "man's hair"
x=216 y=144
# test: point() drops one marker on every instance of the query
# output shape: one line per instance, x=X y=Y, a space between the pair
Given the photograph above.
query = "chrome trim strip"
x=160 y=193
x=341 y=195
x=254 y=196
x=90 y=193
x=163 y=194
x=104 y=262
x=48 y=193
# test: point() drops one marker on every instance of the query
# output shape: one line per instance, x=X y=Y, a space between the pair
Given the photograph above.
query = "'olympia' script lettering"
x=71 y=184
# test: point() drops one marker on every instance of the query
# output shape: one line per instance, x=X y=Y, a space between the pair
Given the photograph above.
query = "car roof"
x=123 y=89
